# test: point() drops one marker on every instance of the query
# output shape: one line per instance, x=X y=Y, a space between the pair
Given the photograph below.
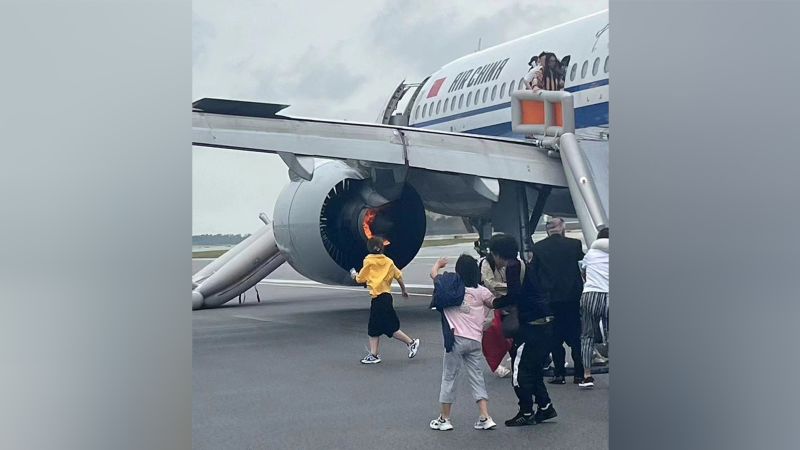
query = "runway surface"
x=285 y=373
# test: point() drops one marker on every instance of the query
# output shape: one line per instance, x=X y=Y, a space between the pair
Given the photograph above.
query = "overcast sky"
x=338 y=60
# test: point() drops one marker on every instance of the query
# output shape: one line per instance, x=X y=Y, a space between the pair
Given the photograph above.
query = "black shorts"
x=382 y=318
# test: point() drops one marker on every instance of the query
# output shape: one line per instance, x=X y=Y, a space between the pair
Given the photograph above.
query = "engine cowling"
x=321 y=226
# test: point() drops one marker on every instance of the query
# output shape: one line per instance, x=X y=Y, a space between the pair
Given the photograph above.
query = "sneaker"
x=587 y=383
x=542 y=414
x=558 y=379
x=485 y=423
x=502 y=371
x=412 y=348
x=441 y=424
x=521 y=419
x=576 y=380
x=371 y=359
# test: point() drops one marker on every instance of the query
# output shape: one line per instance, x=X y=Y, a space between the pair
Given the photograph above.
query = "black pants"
x=382 y=317
x=567 y=329
x=531 y=346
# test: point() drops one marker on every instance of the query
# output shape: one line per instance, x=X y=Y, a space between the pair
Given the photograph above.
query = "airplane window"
x=460 y=101
x=477 y=96
x=494 y=92
x=453 y=103
x=469 y=99
x=502 y=90
x=446 y=104
x=595 y=66
x=605 y=65
x=438 y=106
x=510 y=88
x=584 y=68
x=424 y=110
x=573 y=72
x=521 y=84
x=485 y=94
x=416 y=113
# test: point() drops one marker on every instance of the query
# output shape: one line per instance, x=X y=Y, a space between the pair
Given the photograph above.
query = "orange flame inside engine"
x=369 y=218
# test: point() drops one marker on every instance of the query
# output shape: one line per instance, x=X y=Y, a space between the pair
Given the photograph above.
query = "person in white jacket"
x=594 y=301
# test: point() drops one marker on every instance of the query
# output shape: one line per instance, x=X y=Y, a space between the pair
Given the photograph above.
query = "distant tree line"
x=218 y=239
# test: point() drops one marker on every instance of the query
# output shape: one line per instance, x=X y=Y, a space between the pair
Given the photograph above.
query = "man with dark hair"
x=532 y=340
x=556 y=261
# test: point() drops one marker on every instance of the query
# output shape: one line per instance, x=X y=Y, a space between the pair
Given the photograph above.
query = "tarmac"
x=285 y=374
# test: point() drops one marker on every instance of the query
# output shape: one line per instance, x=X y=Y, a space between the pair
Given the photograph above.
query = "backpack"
x=448 y=290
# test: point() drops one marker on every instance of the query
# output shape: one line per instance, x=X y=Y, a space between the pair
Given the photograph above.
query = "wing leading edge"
x=256 y=127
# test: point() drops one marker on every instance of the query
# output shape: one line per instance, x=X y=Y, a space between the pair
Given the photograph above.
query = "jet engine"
x=322 y=225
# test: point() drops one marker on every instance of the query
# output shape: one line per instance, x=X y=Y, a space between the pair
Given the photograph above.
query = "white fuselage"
x=472 y=93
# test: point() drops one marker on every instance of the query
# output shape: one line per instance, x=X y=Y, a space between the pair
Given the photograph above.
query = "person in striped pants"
x=594 y=302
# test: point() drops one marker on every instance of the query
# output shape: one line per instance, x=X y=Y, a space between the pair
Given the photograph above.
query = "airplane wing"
x=257 y=127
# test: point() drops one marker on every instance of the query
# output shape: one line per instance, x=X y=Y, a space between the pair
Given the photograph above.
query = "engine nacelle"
x=321 y=226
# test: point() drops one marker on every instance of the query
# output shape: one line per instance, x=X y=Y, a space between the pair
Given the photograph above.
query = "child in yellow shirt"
x=378 y=272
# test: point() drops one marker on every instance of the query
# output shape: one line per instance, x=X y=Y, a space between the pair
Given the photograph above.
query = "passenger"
x=549 y=77
x=534 y=68
x=556 y=260
x=532 y=341
x=594 y=301
x=561 y=70
x=466 y=322
x=495 y=345
x=378 y=272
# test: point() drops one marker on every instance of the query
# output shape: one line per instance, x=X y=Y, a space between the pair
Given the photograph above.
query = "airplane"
x=458 y=147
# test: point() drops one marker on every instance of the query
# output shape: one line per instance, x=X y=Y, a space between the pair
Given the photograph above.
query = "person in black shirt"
x=556 y=260
x=533 y=339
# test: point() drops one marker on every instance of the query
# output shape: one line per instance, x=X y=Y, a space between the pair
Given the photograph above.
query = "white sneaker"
x=586 y=383
x=412 y=348
x=441 y=424
x=485 y=424
x=598 y=359
x=502 y=371
x=371 y=359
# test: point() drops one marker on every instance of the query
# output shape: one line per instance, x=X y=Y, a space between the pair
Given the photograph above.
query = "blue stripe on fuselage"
x=585 y=116
x=585 y=86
